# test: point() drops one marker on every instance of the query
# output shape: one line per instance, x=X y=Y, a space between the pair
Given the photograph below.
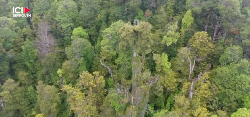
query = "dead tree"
x=46 y=41
x=218 y=30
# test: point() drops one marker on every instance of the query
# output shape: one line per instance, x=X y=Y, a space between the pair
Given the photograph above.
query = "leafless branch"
x=109 y=69
x=211 y=25
x=191 y=92
x=46 y=41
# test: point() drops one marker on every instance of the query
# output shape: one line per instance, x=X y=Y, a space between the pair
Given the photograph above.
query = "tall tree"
x=232 y=54
x=66 y=15
x=86 y=103
x=7 y=37
x=110 y=51
x=46 y=41
x=232 y=81
x=14 y=102
x=47 y=99
x=30 y=56
x=50 y=64
x=241 y=112
x=137 y=39
x=80 y=57
x=41 y=7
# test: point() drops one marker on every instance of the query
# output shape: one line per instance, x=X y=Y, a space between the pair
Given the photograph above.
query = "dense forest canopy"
x=125 y=58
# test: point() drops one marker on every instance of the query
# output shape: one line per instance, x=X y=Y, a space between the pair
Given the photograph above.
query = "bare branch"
x=46 y=41
x=109 y=69
x=211 y=25
x=191 y=92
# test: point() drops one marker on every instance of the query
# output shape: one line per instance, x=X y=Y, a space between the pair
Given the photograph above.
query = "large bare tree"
x=46 y=41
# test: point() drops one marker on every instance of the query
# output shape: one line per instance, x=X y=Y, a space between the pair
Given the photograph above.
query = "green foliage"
x=133 y=6
x=232 y=83
x=140 y=15
x=40 y=115
x=47 y=99
x=30 y=56
x=160 y=17
x=15 y=105
x=110 y=83
x=187 y=21
x=116 y=13
x=172 y=35
x=201 y=45
x=170 y=102
x=83 y=50
x=167 y=76
x=25 y=78
x=229 y=14
x=148 y=54
x=60 y=72
x=110 y=39
x=88 y=13
x=231 y=55
x=41 y=7
x=136 y=37
x=93 y=86
x=117 y=102
x=163 y=63
x=241 y=112
x=79 y=33
x=222 y=113
x=7 y=37
x=50 y=64
x=246 y=100
x=31 y=96
x=77 y=99
x=66 y=15
x=69 y=71
x=201 y=112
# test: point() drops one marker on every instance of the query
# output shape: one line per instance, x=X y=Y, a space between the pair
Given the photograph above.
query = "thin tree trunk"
x=191 y=68
x=208 y=20
x=216 y=28
x=191 y=92
x=145 y=105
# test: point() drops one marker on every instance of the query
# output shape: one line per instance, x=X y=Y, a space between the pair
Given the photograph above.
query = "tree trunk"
x=216 y=28
x=191 y=68
x=191 y=92
x=208 y=20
